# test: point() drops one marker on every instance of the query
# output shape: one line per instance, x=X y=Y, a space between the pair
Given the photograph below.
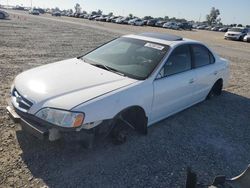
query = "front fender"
x=109 y=105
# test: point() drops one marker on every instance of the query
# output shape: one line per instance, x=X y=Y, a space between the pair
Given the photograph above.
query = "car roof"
x=162 y=38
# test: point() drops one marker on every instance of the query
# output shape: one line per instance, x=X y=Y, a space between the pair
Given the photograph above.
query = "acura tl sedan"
x=133 y=81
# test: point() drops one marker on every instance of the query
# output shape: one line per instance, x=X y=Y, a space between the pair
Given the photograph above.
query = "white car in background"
x=133 y=81
x=247 y=38
x=136 y=21
x=171 y=25
x=236 y=33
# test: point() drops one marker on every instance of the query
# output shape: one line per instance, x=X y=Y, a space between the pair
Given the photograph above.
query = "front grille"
x=21 y=101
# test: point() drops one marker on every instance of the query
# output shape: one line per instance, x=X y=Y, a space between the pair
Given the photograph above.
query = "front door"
x=174 y=90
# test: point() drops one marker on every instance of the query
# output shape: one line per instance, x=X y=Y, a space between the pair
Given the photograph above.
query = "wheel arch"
x=135 y=115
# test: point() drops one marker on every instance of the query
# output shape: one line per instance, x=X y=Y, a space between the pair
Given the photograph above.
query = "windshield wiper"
x=107 y=68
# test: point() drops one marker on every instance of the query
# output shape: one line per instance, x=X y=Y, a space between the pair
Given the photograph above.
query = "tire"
x=2 y=16
x=216 y=89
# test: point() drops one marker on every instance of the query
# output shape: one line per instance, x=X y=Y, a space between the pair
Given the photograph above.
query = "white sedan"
x=133 y=81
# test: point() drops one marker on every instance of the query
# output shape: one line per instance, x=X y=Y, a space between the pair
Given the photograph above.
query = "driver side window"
x=179 y=61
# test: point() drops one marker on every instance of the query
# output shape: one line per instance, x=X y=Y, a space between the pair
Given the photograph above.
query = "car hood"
x=72 y=77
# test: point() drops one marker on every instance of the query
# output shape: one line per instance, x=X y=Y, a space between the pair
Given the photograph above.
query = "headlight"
x=61 y=118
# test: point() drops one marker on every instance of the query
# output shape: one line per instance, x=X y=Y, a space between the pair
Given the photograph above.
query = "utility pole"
x=31 y=3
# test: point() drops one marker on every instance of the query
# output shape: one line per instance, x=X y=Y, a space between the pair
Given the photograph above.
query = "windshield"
x=236 y=29
x=131 y=57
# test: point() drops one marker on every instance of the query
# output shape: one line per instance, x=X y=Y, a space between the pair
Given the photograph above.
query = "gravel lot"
x=211 y=137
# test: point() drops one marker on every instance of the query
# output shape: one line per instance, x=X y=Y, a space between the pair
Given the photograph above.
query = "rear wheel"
x=216 y=89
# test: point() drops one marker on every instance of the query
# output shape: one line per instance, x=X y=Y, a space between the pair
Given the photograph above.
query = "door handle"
x=191 y=81
x=215 y=72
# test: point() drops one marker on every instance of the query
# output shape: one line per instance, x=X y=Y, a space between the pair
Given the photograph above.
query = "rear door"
x=173 y=90
x=205 y=69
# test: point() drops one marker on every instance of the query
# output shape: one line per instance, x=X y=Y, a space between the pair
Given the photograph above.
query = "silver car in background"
x=3 y=14
x=247 y=37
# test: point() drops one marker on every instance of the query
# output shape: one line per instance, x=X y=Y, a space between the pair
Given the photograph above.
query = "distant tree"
x=166 y=18
x=56 y=9
x=212 y=18
x=84 y=12
x=239 y=25
x=172 y=19
x=99 y=12
x=160 y=18
x=130 y=15
x=78 y=8
x=70 y=11
x=182 y=20
x=93 y=13
x=248 y=26
x=148 y=17
x=110 y=14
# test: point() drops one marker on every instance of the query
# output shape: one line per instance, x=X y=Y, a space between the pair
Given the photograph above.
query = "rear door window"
x=201 y=56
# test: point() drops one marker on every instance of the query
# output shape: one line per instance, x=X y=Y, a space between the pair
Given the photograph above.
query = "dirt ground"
x=211 y=137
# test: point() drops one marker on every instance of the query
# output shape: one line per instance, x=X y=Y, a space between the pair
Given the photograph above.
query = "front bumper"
x=38 y=131
x=42 y=129
x=232 y=37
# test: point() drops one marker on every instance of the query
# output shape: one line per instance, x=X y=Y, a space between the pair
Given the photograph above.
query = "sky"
x=231 y=11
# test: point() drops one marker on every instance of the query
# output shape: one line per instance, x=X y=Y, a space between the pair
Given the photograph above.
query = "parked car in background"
x=57 y=13
x=160 y=23
x=34 y=12
x=216 y=28
x=82 y=15
x=3 y=14
x=102 y=18
x=171 y=25
x=152 y=22
x=223 y=29
x=136 y=22
x=122 y=20
x=116 y=18
x=208 y=28
x=122 y=83
x=247 y=38
x=139 y=22
x=236 y=33
x=109 y=19
x=93 y=17
x=185 y=26
x=77 y=15
x=86 y=16
x=201 y=27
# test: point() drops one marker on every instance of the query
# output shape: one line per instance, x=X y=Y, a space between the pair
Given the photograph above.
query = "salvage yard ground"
x=211 y=137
